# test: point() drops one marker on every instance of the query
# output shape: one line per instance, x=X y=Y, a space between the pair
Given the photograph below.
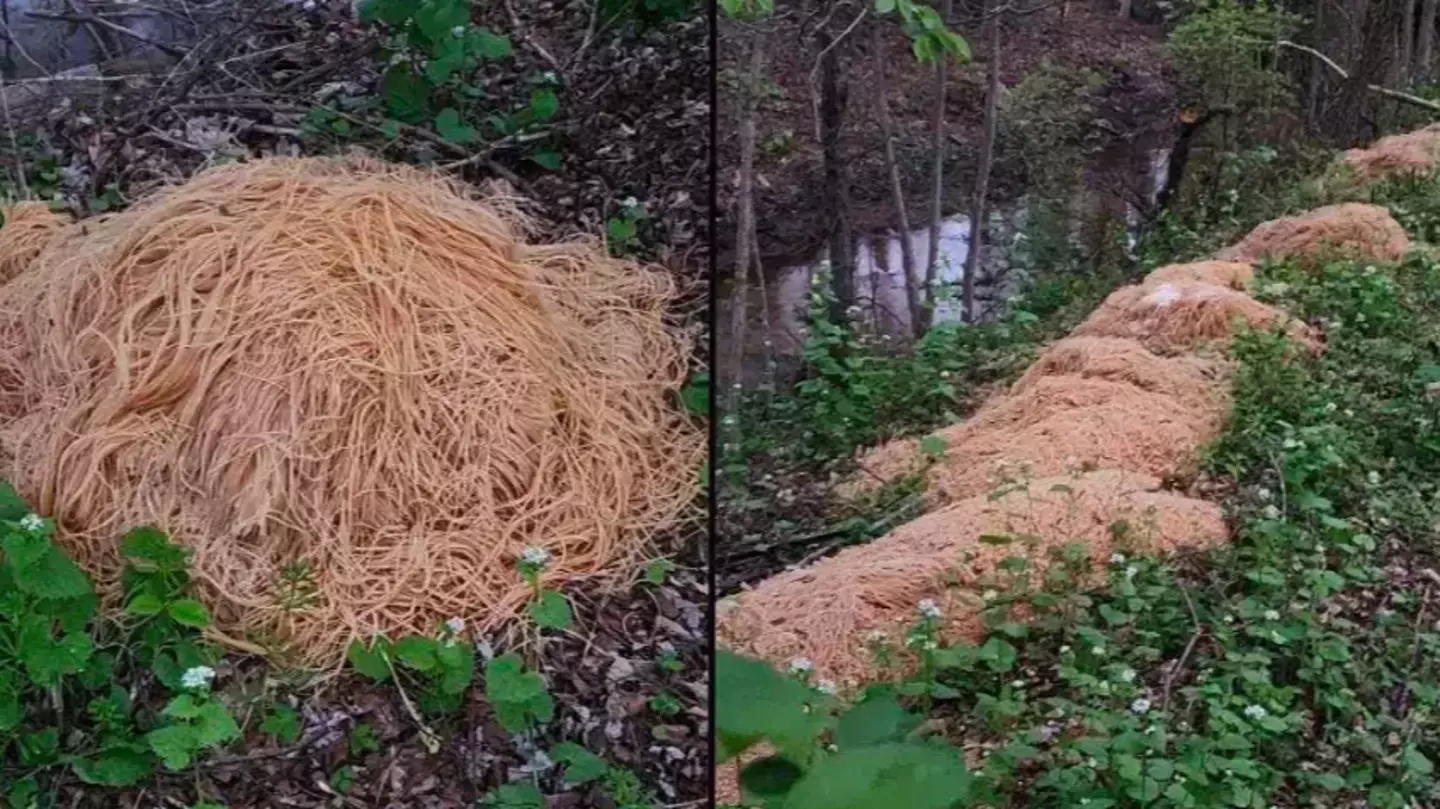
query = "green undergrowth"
x=113 y=701
x=1297 y=666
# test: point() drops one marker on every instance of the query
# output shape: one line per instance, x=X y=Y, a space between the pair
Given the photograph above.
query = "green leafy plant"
x=623 y=229
x=518 y=696
x=549 y=609
x=440 y=669
x=59 y=663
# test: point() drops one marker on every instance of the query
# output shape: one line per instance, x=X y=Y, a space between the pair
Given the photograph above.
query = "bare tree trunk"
x=837 y=176
x=1125 y=9
x=734 y=349
x=1425 y=40
x=897 y=187
x=1404 y=68
x=1312 y=101
x=982 y=172
x=937 y=185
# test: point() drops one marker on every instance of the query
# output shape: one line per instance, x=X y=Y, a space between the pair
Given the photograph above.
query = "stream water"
x=879 y=274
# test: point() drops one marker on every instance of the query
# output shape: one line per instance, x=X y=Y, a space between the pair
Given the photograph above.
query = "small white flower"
x=826 y=687
x=1263 y=494
x=1098 y=651
x=1117 y=558
x=550 y=77
x=1291 y=443
x=1374 y=478
x=1271 y=513
x=1272 y=615
x=1131 y=571
x=1064 y=650
x=989 y=595
x=458 y=31
x=1255 y=712
x=801 y=665
x=1127 y=675
x=535 y=556
x=1140 y=706
x=928 y=608
x=630 y=202
x=944 y=374
x=197 y=677
x=875 y=636
x=32 y=522
x=1017 y=684
x=455 y=625
x=929 y=645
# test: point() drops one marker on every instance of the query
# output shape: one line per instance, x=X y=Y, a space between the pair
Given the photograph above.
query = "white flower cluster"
x=197 y=677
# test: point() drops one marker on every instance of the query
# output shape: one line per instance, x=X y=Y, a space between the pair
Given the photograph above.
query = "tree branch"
x=1374 y=88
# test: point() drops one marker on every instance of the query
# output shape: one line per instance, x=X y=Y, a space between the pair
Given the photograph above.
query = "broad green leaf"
x=417 y=652
x=214 y=725
x=148 y=550
x=544 y=103
x=189 y=612
x=12 y=505
x=486 y=44
x=283 y=722
x=551 y=610
x=145 y=603
x=120 y=766
x=55 y=576
x=658 y=570
x=47 y=659
x=406 y=95
x=1416 y=762
x=370 y=660
x=517 y=695
x=998 y=655
x=548 y=158
x=436 y=19
x=581 y=765
x=449 y=126
x=895 y=775
x=11 y=711
x=390 y=12
x=696 y=394
x=522 y=795
x=23 y=549
x=457 y=661
x=174 y=744
x=878 y=720
x=40 y=747
x=755 y=703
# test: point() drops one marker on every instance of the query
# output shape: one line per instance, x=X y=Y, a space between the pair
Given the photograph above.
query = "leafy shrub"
x=60 y=666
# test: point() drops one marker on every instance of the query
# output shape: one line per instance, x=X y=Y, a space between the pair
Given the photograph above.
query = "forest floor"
x=633 y=123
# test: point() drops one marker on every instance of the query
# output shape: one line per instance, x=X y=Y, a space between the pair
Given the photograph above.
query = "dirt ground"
x=633 y=123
